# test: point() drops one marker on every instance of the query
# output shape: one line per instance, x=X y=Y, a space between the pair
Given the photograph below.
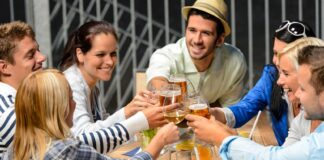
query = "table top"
x=263 y=134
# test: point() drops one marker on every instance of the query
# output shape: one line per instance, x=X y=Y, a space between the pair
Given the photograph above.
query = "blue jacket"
x=257 y=99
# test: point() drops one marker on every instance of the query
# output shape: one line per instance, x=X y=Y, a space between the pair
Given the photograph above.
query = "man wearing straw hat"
x=215 y=69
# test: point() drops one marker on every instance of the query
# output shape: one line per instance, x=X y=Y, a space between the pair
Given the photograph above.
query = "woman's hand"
x=166 y=135
x=144 y=99
x=154 y=114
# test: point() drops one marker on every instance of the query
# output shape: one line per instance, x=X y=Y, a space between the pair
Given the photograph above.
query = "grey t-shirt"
x=299 y=128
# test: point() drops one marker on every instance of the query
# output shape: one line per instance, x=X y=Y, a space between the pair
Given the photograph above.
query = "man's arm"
x=309 y=147
x=234 y=147
x=256 y=99
x=106 y=139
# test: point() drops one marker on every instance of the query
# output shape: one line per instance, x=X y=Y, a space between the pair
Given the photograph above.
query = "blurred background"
x=145 y=25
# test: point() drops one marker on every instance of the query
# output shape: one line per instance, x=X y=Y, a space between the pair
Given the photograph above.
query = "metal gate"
x=145 y=25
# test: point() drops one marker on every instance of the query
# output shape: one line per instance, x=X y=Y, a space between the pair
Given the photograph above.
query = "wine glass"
x=171 y=94
x=187 y=90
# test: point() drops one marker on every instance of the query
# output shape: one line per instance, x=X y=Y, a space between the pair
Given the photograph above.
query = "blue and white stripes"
x=106 y=139
x=7 y=116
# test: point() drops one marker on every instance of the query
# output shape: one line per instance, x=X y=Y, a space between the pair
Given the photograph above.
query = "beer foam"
x=178 y=79
x=171 y=93
x=198 y=106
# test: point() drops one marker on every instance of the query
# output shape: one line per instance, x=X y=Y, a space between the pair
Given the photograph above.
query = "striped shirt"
x=7 y=116
x=103 y=140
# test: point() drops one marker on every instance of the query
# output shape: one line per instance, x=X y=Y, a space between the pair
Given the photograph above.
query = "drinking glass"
x=147 y=135
x=187 y=90
x=171 y=94
x=199 y=106
x=187 y=87
x=183 y=155
x=203 y=152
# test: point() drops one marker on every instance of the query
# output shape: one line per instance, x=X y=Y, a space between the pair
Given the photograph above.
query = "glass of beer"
x=203 y=152
x=187 y=88
x=171 y=94
x=199 y=106
x=181 y=81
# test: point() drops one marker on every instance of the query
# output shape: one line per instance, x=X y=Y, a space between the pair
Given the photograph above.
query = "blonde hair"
x=41 y=106
x=292 y=49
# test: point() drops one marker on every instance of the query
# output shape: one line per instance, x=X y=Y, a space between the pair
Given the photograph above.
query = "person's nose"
x=110 y=60
x=275 y=60
x=40 y=57
x=198 y=38
x=280 y=80
x=297 y=94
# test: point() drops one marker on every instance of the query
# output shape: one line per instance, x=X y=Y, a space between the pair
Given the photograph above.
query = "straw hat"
x=216 y=8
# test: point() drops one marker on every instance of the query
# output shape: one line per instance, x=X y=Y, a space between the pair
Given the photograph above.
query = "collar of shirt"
x=7 y=89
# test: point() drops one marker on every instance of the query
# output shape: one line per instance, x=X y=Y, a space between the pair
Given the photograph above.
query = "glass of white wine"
x=171 y=94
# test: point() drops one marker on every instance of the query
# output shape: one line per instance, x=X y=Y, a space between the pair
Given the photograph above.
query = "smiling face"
x=201 y=38
x=288 y=77
x=99 y=62
x=27 y=59
x=313 y=103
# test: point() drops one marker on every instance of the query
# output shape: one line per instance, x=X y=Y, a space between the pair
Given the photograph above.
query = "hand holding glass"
x=171 y=94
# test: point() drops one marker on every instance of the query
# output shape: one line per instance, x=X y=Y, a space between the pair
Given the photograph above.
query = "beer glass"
x=187 y=90
x=181 y=81
x=199 y=106
x=171 y=94
x=203 y=152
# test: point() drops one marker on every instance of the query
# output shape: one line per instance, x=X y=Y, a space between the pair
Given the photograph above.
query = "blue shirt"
x=257 y=99
x=309 y=147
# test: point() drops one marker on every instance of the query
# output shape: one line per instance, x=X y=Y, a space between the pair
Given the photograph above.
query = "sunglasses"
x=294 y=28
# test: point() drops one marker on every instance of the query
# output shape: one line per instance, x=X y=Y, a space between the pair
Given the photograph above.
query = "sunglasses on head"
x=294 y=28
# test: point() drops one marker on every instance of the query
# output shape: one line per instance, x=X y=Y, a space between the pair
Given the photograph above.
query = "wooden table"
x=118 y=153
x=263 y=134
